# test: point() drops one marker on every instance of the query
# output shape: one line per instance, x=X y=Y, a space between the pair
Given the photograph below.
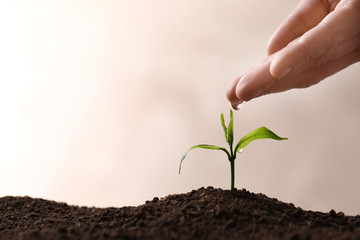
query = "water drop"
x=237 y=105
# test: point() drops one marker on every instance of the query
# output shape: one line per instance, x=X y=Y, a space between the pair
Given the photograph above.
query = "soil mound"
x=200 y=214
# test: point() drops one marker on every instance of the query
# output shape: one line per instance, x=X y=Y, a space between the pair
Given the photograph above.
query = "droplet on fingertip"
x=237 y=105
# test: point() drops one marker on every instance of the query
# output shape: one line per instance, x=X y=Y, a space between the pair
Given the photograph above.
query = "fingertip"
x=273 y=67
x=242 y=90
x=269 y=50
x=273 y=45
x=239 y=91
x=231 y=94
x=277 y=69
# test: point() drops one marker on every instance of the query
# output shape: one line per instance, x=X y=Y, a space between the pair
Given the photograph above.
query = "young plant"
x=259 y=133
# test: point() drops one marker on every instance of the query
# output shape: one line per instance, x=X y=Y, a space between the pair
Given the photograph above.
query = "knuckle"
x=321 y=61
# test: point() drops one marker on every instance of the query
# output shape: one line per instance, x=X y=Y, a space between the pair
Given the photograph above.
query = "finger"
x=258 y=81
x=314 y=76
x=306 y=15
x=330 y=33
x=255 y=81
x=231 y=94
x=332 y=54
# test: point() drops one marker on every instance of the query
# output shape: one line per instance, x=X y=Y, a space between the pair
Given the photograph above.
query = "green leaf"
x=224 y=127
x=231 y=129
x=204 y=146
x=260 y=133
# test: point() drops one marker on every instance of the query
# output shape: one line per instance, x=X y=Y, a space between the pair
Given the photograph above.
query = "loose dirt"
x=200 y=214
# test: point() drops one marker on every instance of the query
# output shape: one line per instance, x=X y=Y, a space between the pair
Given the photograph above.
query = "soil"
x=200 y=214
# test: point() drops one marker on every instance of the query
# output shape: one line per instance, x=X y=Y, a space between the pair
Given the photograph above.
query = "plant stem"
x=232 y=161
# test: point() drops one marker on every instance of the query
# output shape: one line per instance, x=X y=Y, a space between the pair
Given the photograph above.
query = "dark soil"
x=201 y=214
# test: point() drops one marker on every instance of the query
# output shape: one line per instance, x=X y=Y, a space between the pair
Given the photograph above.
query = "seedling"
x=259 y=133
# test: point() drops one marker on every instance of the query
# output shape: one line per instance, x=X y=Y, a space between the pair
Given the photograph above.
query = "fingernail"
x=284 y=72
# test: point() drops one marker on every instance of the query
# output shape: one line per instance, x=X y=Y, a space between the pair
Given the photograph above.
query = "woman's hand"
x=320 y=38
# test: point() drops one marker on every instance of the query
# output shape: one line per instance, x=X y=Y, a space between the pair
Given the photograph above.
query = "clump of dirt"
x=200 y=214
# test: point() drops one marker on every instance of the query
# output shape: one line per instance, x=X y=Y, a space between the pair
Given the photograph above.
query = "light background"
x=99 y=100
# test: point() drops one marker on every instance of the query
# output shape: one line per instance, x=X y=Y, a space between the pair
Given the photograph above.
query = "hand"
x=320 y=38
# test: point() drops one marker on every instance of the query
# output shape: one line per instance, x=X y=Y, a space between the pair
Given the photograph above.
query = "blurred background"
x=100 y=99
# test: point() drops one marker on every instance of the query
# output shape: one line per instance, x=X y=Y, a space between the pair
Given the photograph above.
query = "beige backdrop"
x=99 y=100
